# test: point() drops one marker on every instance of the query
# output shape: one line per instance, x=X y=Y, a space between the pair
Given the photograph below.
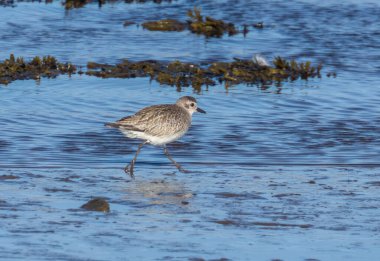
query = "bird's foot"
x=129 y=170
x=182 y=170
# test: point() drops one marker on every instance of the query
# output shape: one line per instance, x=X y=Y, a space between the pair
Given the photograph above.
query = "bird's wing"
x=138 y=122
x=163 y=120
x=124 y=123
x=158 y=120
x=124 y=126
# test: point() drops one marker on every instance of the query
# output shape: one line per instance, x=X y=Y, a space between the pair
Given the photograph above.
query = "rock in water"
x=97 y=204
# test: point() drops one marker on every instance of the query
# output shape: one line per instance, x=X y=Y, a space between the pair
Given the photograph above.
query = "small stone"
x=5 y=177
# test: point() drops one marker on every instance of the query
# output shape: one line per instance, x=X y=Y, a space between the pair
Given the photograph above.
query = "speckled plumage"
x=159 y=124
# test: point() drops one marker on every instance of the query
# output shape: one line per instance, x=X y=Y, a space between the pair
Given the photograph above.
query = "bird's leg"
x=129 y=168
x=173 y=161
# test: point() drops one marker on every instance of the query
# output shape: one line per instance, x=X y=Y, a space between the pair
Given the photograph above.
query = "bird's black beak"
x=200 y=110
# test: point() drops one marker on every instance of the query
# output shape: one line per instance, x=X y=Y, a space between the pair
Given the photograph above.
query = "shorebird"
x=158 y=125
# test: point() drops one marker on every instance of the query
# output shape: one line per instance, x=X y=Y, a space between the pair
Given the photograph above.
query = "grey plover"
x=158 y=125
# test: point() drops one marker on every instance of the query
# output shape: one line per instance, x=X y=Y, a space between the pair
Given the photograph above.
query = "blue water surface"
x=286 y=171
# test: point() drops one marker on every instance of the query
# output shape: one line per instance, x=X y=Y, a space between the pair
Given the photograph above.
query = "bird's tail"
x=112 y=125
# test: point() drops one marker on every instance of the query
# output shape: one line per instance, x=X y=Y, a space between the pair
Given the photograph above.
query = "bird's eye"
x=192 y=104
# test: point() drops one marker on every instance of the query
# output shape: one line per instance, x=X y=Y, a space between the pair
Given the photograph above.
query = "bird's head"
x=190 y=104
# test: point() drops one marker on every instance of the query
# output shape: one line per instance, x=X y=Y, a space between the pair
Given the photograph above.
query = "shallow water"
x=240 y=213
x=287 y=172
x=60 y=123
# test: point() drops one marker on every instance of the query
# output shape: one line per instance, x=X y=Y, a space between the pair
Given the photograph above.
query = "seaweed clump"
x=71 y=4
x=208 y=26
x=254 y=72
x=17 y=69
x=294 y=70
x=197 y=24
x=181 y=74
x=174 y=73
x=165 y=25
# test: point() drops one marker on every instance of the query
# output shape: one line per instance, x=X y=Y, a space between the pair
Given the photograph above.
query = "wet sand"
x=238 y=213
